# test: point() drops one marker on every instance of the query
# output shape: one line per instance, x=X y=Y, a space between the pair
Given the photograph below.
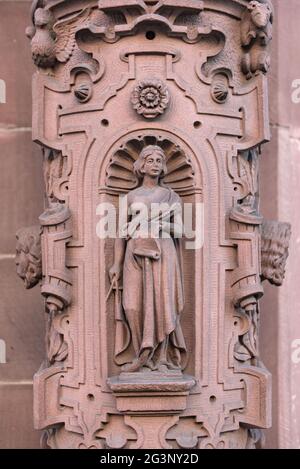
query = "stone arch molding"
x=113 y=171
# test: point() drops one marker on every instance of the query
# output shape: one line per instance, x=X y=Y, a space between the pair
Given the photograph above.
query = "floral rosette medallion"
x=150 y=98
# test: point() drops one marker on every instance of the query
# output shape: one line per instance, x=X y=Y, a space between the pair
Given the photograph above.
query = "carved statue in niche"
x=29 y=256
x=149 y=262
x=256 y=34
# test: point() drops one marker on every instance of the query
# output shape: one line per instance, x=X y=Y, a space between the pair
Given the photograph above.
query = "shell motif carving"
x=83 y=92
x=219 y=89
x=120 y=174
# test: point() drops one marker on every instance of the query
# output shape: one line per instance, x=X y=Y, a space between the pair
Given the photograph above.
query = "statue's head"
x=261 y=13
x=151 y=161
x=28 y=255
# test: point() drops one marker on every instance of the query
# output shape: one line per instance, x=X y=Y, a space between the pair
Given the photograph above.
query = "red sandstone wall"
x=280 y=191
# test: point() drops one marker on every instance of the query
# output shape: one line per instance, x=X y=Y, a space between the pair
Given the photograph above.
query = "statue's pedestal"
x=151 y=392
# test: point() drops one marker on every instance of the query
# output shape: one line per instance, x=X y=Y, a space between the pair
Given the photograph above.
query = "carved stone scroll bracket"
x=246 y=319
x=57 y=281
x=57 y=169
x=274 y=251
x=246 y=284
x=29 y=255
x=246 y=278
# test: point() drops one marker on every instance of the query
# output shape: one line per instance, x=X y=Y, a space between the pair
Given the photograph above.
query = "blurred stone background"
x=280 y=200
x=21 y=202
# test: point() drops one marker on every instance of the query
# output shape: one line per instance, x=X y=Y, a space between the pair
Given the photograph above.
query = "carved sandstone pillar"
x=152 y=343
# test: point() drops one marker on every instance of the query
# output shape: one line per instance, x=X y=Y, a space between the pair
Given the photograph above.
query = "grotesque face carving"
x=28 y=256
x=275 y=251
x=277 y=257
x=261 y=13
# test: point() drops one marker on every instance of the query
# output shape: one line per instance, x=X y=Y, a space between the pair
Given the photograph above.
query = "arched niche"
x=116 y=179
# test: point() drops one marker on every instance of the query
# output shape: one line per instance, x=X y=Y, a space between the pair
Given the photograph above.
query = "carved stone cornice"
x=53 y=37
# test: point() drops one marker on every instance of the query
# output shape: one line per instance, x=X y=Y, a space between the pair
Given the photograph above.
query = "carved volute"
x=152 y=339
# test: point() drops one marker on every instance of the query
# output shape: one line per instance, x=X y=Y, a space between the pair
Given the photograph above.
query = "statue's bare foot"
x=162 y=368
x=149 y=366
x=170 y=366
x=132 y=367
x=137 y=364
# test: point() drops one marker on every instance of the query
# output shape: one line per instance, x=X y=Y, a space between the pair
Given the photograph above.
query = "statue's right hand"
x=115 y=272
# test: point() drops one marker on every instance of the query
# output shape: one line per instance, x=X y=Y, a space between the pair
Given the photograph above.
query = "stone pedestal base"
x=151 y=392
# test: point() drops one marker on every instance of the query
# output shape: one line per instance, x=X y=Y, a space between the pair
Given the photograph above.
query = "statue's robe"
x=153 y=295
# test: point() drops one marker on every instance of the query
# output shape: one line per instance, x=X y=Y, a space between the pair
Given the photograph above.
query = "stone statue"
x=149 y=262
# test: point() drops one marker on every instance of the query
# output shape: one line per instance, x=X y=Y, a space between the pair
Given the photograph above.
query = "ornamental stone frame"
x=125 y=89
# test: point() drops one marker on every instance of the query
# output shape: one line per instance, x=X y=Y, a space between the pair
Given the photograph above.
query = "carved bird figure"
x=50 y=41
x=43 y=40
